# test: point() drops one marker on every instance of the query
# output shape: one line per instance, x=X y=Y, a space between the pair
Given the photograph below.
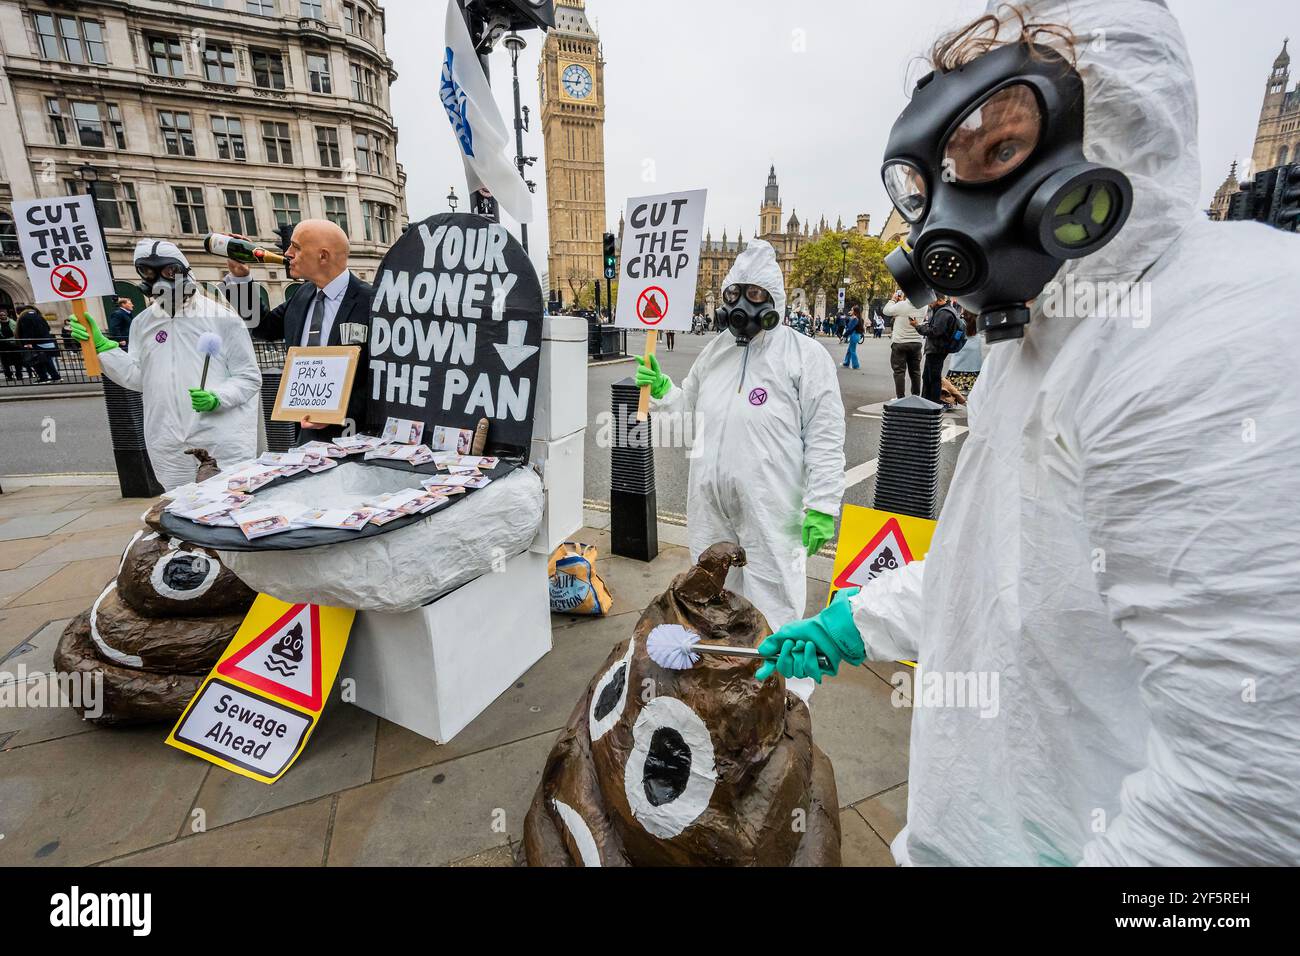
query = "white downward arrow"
x=514 y=353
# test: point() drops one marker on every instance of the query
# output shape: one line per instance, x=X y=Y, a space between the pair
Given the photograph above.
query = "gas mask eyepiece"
x=165 y=281
x=747 y=310
x=987 y=165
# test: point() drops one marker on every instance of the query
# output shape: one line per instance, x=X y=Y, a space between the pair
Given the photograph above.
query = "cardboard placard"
x=659 y=261
x=316 y=384
x=456 y=331
x=63 y=248
x=872 y=542
x=255 y=711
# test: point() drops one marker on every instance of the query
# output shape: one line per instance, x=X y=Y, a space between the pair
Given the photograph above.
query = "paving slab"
x=77 y=579
x=36 y=654
x=440 y=814
x=886 y=813
x=23 y=502
x=859 y=844
x=126 y=514
x=37 y=524
x=539 y=701
x=499 y=856
x=109 y=543
x=292 y=837
x=24 y=726
x=16 y=582
x=634 y=584
x=17 y=553
x=90 y=797
x=865 y=736
x=340 y=754
x=17 y=624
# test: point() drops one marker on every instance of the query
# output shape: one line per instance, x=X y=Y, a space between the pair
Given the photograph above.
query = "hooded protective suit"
x=768 y=444
x=1121 y=542
x=164 y=363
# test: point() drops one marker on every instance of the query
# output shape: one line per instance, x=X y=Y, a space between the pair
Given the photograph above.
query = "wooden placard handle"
x=89 y=357
x=643 y=403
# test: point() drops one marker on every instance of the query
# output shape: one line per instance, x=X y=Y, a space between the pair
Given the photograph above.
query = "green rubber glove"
x=796 y=645
x=817 y=530
x=659 y=382
x=102 y=343
x=203 y=401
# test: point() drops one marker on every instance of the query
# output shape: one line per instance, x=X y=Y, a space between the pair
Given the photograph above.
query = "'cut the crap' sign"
x=63 y=248
x=660 y=260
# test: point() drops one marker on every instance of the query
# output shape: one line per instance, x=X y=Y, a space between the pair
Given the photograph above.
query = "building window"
x=275 y=140
x=116 y=125
x=219 y=63
x=8 y=236
x=310 y=10
x=318 y=73
x=228 y=133
x=177 y=133
x=89 y=123
x=131 y=203
x=286 y=209
x=191 y=215
x=363 y=84
x=371 y=154
x=263 y=8
x=356 y=20
x=106 y=208
x=239 y=211
x=336 y=211
x=165 y=57
x=58 y=122
x=69 y=38
x=327 y=146
x=377 y=218
x=268 y=69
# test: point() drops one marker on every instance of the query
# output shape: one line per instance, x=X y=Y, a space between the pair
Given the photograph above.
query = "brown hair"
x=1009 y=24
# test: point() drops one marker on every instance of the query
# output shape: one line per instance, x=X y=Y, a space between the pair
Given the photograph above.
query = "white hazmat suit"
x=164 y=363
x=768 y=444
x=1121 y=540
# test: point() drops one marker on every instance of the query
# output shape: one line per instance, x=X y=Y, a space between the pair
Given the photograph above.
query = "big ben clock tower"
x=571 y=76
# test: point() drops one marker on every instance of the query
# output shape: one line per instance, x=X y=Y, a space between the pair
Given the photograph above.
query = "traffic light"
x=521 y=14
x=611 y=257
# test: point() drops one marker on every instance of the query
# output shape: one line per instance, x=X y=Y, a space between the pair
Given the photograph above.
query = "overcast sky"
x=709 y=93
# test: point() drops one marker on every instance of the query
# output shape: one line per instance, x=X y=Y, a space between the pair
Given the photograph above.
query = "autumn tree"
x=821 y=265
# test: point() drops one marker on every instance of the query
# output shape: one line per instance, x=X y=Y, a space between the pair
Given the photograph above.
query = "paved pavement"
x=365 y=791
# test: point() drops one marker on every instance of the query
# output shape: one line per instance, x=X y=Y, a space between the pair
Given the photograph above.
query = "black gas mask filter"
x=986 y=163
x=747 y=310
x=166 y=281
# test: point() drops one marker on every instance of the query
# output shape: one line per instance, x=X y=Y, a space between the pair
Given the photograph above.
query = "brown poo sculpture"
x=702 y=767
x=158 y=627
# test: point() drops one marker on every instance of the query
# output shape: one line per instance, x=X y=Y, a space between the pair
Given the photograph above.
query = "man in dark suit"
x=330 y=307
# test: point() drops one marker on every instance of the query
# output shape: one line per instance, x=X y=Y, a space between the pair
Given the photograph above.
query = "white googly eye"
x=670 y=774
x=579 y=832
x=184 y=575
x=610 y=696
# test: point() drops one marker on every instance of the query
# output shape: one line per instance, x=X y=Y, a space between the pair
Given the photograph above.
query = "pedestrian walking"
x=905 y=344
x=938 y=331
x=11 y=352
x=853 y=330
x=965 y=366
x=39 y=348
x=670 y=339
x=119 y=322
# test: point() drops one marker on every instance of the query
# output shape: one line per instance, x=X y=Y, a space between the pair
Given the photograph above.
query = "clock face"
x=576 y=81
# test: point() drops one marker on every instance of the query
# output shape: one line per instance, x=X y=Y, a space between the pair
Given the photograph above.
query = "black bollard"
x=125 y=408
x=632 y=503
x=907 y=478
x=280 y=436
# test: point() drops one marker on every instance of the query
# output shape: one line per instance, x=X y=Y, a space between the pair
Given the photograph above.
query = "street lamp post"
x=515 y=43
x=452 y=200
x=844 y=271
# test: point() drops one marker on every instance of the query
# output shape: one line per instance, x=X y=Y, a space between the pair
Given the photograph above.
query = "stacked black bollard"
x=907 y=478
x=632 y=503
x=125 y=408
x=280 y=436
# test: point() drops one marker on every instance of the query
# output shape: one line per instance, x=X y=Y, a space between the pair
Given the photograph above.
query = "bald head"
x=318 y=251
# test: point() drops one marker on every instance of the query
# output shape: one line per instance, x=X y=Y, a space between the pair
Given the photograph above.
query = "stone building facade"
x=188 y=117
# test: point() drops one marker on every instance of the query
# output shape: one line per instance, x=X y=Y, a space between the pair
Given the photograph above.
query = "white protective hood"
x=757 y=265
x=1118 y=557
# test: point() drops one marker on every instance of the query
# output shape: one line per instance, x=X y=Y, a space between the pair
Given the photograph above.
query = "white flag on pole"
x=480 y=131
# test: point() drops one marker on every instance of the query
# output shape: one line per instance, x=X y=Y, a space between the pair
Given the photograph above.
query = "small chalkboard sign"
x=456 y=331
x=316 y=384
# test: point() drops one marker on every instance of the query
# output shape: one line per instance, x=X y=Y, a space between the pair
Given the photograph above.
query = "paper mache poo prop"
x=703 y=767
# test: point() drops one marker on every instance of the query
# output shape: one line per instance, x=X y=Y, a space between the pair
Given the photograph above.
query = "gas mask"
x=987 y=165
x=747 y=310
x=166 y=282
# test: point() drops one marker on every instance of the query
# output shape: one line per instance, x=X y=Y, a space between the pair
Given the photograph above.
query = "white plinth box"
x=434 y=670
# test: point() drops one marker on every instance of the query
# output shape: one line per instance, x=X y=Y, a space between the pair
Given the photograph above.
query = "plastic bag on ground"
x=575 y=586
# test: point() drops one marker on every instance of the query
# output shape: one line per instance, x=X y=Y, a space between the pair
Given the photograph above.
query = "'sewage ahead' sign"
x=456 y=331
x=62 y=248
x=659 y=261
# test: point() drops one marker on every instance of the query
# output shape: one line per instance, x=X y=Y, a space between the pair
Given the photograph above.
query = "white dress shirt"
x=334 y=291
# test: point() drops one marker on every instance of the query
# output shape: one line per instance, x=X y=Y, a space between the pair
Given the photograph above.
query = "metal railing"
x=64 y=366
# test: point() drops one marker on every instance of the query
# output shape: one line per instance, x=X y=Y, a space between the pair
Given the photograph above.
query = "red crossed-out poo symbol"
x=652 y=305
x=69 y=282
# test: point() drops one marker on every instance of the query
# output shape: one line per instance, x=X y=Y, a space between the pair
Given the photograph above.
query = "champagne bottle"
x=240 y=249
